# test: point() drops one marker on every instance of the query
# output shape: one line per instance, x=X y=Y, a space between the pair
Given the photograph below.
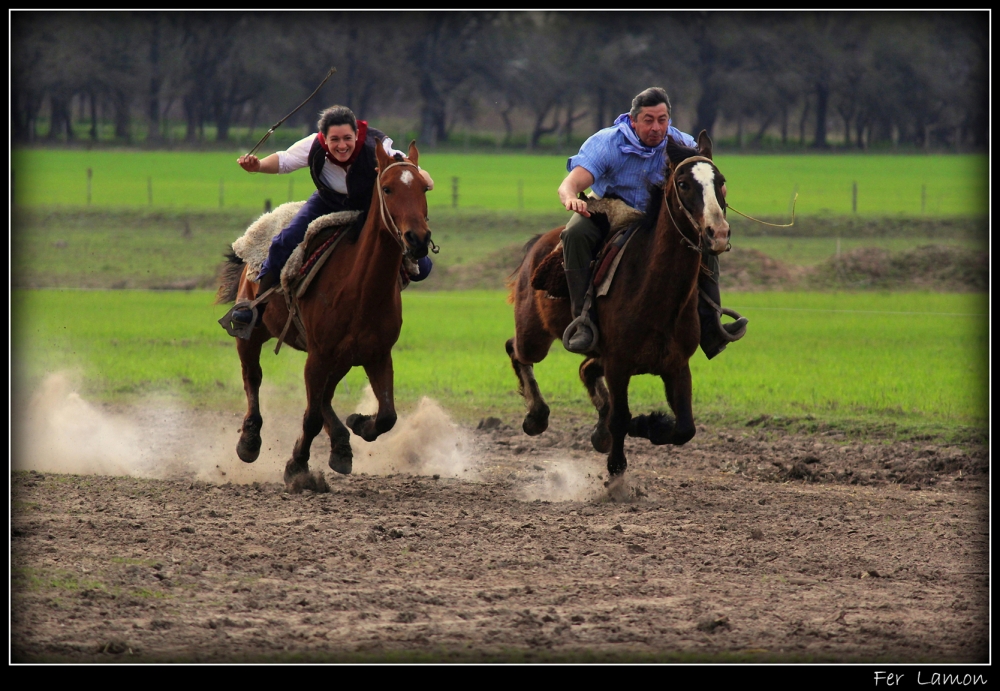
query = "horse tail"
x=229 y=278
x=512 y=278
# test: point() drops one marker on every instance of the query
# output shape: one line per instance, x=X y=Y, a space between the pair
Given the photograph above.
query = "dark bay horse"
x=648 y=321
x=352 y=314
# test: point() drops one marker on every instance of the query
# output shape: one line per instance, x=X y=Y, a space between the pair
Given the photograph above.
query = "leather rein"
x=700 y=246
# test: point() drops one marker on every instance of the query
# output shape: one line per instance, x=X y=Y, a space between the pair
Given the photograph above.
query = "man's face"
x=651 y=124
x=341 y=140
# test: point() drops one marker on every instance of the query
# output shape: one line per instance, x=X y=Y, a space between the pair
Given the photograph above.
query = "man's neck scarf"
x=358 y=145
x=634 y=145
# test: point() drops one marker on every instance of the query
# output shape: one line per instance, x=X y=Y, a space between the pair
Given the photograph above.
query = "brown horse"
x=352 y=314
x=648 y=319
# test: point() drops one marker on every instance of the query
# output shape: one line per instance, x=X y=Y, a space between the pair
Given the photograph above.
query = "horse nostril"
x=411 y=238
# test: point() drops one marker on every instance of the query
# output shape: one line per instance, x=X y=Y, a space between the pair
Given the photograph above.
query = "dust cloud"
x=425 y=442
x=564 y=480
x=58 y=431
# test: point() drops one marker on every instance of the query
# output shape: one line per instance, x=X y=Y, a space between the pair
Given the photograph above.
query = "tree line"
x=859 y=78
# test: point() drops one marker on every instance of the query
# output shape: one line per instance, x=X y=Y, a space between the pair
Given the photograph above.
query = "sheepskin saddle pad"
x=620 y=219
x=253 y=246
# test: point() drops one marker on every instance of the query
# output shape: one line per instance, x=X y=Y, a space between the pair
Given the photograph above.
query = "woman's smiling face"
x=340 y=141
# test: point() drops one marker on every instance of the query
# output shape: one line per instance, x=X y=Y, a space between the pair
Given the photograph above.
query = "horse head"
x=700 y=190
x=402 y=192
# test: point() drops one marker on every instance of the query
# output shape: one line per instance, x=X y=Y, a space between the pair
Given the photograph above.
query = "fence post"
x=90 y=175
x=291 y=184
x=267 y=206
x=923 y=198
x=854 y=198
x=454 y=193
x=221 y=191
x=149 y=189
x=520 y=194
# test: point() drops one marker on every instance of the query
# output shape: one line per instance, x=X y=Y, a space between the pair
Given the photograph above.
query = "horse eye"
x=387 y=190
x=682 y=185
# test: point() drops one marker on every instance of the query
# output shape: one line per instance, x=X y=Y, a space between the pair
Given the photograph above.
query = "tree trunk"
x=191 y=114
x=93 y=116
x=122 y=115
x=822 y=103
x=539 y=129
x=802 y=123
x=784 y=125
x=600 y=105
x=707 y=110
x=154 y=80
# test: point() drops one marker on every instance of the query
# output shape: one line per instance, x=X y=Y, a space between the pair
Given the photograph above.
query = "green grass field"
x=915 y=361
x=956 y=185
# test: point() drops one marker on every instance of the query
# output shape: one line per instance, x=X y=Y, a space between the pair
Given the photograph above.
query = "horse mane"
x=512 y=278
x=676 y=153
x=229 y=278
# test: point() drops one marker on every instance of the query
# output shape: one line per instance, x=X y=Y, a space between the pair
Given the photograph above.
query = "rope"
x=773 y=225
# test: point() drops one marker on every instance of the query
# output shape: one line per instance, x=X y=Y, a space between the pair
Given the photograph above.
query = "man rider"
x=625 y=160
x=341 y=158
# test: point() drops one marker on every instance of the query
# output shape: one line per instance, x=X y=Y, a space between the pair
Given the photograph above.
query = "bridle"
x=387 y=219
x=700 y=246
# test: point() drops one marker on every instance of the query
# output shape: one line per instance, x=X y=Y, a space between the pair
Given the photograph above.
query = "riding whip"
x=278 y=123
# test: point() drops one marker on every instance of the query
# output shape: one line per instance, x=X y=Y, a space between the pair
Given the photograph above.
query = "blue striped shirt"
x=624 y=174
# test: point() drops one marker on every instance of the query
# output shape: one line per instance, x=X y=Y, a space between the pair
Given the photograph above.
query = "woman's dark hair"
x=337 y=115
x=653 y=96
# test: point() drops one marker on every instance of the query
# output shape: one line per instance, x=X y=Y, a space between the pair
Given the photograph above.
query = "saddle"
x=622 y=220
x=322 y=236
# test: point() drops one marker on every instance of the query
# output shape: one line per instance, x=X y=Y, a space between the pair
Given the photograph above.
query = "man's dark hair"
x=653 y=96
x=337 y=115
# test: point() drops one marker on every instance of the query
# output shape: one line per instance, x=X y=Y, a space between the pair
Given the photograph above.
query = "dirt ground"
x=743 y=545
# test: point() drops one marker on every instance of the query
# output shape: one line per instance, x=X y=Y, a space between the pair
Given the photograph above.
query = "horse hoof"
x=341 y=462
x=248 y=449
x=356 y=423
x=536 y=423
x=292 y=469
x=601 y=439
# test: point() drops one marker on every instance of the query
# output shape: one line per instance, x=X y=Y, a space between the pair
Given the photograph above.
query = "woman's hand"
x=249 y=163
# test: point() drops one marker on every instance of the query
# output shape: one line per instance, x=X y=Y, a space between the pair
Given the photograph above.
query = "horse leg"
x=662 y=429
x=618 y=420
x=317 y=374
x=341 y=456
x=248 y=448
x=537 y=419
x=369 y=427
x=678 y=389
x=592 y=376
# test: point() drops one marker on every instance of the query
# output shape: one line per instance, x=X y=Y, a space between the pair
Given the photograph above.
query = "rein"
x=387 y=219
x=773 y=225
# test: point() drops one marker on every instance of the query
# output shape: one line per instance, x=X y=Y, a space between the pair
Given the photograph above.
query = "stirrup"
x=739 y=333
x=229 y=324
x=582 y=320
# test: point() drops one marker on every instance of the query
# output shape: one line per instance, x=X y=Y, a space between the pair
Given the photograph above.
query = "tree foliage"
x=859 y=78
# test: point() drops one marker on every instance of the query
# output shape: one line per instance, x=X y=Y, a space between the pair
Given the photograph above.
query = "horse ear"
x=381 y=156
x=704 y=144
x=412 y=154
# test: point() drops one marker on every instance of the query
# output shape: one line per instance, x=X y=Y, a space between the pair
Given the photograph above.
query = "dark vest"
x=360 y=178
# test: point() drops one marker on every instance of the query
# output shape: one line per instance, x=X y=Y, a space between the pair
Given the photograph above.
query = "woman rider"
x=341 y=159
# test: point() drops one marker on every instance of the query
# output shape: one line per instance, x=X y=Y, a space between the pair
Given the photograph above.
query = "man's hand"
x=249 y=163
x=577 y=205
x=576 y=182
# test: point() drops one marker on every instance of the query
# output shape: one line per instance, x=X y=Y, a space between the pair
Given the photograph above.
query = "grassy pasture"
x=917 y=361
x=956 y=185
x=139 y=248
